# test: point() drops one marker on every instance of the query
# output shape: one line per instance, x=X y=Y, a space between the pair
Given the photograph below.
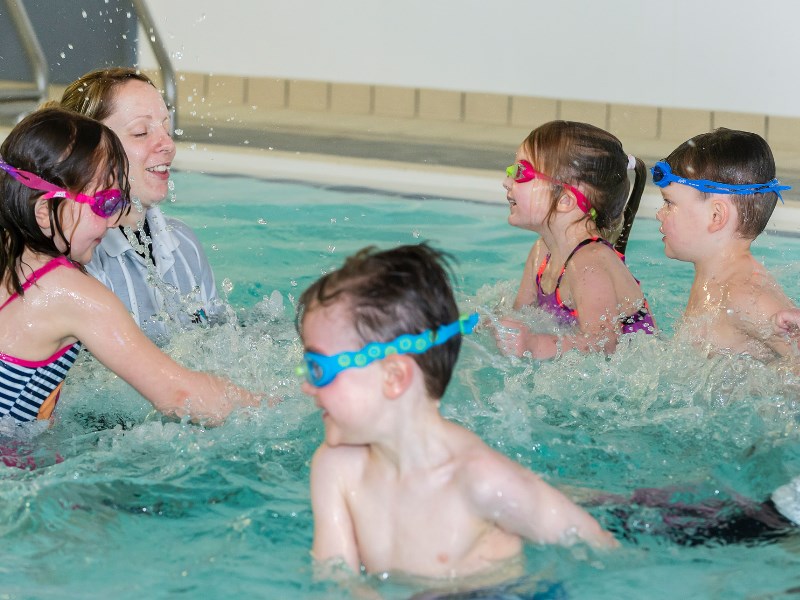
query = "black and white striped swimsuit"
x=29 y=389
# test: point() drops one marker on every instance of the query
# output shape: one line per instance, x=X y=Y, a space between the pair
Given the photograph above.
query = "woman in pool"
x=569 y=184
x=154 y=264
x=63 y=184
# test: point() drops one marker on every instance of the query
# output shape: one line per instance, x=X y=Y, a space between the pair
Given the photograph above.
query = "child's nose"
x=308 y=389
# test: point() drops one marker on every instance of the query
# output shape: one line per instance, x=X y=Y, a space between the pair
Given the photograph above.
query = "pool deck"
x=427 y=158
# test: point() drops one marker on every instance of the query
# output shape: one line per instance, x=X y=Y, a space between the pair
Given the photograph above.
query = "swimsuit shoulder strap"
x=542 y=267
x=51 y=264
x=580 y=245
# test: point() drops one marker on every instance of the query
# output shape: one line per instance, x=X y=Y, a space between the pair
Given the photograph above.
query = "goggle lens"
x=518 y=173
x=107 y=203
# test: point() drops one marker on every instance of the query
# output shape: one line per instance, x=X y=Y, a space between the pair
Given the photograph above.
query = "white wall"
x=733 y=55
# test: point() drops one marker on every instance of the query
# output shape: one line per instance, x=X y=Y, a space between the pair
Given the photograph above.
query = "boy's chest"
x=427 y=529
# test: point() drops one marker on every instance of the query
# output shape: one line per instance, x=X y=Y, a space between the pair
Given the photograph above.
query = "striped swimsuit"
x=29 y=389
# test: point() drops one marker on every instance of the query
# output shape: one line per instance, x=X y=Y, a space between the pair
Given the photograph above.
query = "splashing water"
x=209 y=510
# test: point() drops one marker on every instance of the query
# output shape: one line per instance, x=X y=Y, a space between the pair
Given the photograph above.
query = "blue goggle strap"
x=714 y=187
x=408 y=343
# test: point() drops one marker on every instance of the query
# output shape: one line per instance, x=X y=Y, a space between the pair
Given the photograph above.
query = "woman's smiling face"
x=142 y=122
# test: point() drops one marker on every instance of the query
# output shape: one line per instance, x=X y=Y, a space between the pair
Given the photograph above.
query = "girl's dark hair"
x=93 y=94
x=390 y=293
x=67 y=150
x=593 y=160
x=731 y=156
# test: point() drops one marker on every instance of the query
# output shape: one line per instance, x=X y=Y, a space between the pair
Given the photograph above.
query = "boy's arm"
x=334 y=535
x=756 y=315
x=518 y=501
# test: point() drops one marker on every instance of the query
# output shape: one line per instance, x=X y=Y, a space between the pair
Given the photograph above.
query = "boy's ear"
x=398 y=371
x=720 y=214
x=42 y=212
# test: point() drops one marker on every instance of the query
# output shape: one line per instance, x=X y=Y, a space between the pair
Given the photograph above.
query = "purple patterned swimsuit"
x=639 y=321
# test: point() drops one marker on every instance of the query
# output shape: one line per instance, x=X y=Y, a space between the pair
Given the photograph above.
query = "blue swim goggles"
x=663 y=176
x=320 y=369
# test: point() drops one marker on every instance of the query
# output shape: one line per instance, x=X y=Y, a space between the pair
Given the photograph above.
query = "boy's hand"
x=787 y=321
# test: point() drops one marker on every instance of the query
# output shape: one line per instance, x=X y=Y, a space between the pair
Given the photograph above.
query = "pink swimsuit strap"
x=51 y=264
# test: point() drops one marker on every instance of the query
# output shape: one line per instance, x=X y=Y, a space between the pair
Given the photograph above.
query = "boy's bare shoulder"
x=343 y=459
x=481 y=466
x=756 y=290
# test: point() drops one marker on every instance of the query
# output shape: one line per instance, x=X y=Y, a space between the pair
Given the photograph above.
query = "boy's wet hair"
x=731 y=156
x=390 y=293
x=65 y=149
x=593 y=160
x=94 y=93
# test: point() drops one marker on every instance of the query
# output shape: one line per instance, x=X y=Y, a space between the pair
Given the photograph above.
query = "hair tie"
x=631 y=162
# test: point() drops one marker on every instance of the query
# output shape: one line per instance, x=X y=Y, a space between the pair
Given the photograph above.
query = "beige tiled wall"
x=532 y=112
x=626 y=121
x=351 y=99
x=755 y=123
x=492 y=109
x=679 y=124
x=594 y=113
x=309 y=95
x=267 y=93
x=225 y=90
x=441 y=105
x=394 y=101
x=783 y=133
x=199 y=93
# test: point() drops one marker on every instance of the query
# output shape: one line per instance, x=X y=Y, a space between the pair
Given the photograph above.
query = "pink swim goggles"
x=523 y=171
x=104 y=203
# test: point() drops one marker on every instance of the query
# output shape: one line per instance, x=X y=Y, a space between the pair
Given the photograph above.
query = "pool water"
x=128 y=504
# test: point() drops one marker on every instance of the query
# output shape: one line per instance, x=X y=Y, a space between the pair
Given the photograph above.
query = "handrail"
x=38 y=61
x=35 y=54
x=164 y=63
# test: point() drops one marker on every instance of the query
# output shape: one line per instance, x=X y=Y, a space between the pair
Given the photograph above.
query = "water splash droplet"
x=179 y=132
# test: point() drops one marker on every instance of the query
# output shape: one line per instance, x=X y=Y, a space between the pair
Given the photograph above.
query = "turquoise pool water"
x=129 y=505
